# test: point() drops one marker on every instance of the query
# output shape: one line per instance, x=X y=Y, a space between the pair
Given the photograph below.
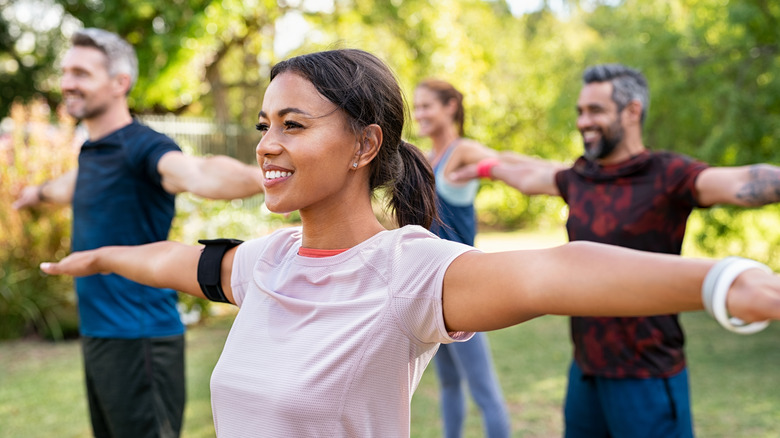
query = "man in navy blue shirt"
x=122 y=193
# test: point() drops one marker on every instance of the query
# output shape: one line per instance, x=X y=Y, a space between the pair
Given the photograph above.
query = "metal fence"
x=200 y=136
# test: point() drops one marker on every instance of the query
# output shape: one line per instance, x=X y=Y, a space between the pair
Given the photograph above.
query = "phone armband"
x=210 y=267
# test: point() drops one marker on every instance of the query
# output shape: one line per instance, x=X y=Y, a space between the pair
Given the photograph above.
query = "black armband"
x=210 y=267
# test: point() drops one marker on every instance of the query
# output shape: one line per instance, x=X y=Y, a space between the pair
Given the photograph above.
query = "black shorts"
x=135 y=387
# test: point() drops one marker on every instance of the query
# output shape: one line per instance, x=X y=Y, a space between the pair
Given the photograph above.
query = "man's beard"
x=87 y=111
x=606 y=144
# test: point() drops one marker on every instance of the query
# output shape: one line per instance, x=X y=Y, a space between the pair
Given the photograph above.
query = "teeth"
x=589 y=135
x=273 y=174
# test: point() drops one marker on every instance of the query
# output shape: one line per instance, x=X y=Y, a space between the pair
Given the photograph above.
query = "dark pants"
x=599 y=407
x=135 y=387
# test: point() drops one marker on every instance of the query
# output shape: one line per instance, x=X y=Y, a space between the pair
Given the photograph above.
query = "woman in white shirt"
x=339 y=317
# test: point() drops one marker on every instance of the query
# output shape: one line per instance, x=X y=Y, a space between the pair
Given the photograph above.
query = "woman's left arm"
x=488 y=291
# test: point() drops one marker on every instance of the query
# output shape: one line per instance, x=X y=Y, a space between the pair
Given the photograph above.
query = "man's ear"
x=122 y=83
x=370 y=141
x=634 y=111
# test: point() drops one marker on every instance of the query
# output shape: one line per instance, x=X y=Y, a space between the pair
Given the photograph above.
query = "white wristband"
x=716 y=287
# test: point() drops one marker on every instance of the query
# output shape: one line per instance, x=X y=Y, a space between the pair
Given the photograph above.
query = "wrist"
x=715 y=289
x=41 y=195
x=485 y=167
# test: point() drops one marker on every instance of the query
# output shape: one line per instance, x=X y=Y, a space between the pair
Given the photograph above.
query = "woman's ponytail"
x=413 y=200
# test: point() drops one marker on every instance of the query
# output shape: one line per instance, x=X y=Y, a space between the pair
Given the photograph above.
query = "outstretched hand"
x=77 y=264
x=755 y=296
x=28 y=197
x=464 y=173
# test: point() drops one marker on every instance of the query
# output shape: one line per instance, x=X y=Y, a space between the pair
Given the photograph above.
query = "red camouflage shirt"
x=644 y=204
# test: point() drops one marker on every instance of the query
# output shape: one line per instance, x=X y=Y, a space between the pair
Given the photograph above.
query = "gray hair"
x=627 y=84
x=120 y=55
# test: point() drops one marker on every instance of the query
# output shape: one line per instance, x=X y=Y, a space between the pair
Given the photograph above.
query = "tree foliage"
x=712 y=66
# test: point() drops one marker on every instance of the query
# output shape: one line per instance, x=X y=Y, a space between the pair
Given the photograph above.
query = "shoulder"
x=469 y=144
x=275 y=245
x=146 y=137
x=418 y=248
x=467 y=147
x=674 y=161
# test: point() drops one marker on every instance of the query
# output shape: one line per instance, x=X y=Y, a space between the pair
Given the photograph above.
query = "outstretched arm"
x=531 y=176
x=59 y=191
x=215 y=177
x=488 y=291
x=747 y=186
x=161 y=264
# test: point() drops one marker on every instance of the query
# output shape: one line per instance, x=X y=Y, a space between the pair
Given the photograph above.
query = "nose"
x=66 y=82
x=268 y=145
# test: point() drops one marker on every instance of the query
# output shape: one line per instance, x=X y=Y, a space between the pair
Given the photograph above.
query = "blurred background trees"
x=712 y=65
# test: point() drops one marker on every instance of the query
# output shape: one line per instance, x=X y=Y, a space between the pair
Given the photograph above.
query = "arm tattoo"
x=762 y=187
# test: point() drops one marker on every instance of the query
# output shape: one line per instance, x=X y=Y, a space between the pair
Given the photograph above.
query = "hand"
x=77 y=264
x=754 y=296
x=464 y=173
x=28 y=197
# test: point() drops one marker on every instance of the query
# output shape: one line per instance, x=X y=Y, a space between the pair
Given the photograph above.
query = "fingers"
x=77 y=264
x=755 y=296
x=28 y=197
x=51 y=268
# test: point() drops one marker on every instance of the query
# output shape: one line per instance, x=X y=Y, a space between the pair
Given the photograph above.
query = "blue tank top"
x=455 y=205
x=119 y=200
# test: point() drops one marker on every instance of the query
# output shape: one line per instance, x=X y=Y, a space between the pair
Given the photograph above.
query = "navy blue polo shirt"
x=119 y=200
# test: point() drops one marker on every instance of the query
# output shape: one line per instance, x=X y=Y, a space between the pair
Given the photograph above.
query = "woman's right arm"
x=163 y=264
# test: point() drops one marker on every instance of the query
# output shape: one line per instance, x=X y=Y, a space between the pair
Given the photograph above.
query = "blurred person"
x=340 y=316
x=628 y=377
x=439 y=113
x=122 y=193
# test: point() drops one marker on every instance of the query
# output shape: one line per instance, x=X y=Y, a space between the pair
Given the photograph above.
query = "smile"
x=274 y=174
x=590 y=135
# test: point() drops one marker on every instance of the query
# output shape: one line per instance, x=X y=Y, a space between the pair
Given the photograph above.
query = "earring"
x=354 y=165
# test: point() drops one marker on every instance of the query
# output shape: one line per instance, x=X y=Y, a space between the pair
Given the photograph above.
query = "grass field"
x=735 y=379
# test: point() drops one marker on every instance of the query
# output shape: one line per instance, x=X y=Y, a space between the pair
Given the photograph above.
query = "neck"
x=441 y=140
x=338 y=234
x=340 y=223
x=631 y=146
x=109 y=121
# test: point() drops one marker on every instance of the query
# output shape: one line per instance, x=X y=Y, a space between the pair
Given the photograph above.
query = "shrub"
x=36 y=145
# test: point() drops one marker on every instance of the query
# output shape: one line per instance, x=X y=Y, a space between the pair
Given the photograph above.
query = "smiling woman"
x=340 y=316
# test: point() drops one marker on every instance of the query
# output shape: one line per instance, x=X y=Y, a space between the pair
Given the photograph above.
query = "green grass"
x=735 y=380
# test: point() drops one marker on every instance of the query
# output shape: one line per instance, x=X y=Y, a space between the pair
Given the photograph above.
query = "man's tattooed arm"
x=762 y=187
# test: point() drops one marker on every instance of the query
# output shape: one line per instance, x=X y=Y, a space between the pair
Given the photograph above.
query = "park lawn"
x=735 y=381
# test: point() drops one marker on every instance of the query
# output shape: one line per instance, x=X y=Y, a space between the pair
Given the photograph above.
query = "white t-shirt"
x=334 y=346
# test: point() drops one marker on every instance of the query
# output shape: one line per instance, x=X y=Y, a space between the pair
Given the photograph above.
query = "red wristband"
x=485 y=167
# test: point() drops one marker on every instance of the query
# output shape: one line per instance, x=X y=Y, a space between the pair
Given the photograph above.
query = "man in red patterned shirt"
x=629 y=376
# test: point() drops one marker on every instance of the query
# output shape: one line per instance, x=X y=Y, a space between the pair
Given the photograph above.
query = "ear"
x=452 y=106
x=633 y=112
x=122 y=84
x=369 y=142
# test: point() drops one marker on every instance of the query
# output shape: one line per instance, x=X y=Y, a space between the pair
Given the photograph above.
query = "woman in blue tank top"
x=438 y=111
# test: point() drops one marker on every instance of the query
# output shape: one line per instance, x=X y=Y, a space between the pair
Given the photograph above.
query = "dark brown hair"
x=362 y=86
x=446 y=92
